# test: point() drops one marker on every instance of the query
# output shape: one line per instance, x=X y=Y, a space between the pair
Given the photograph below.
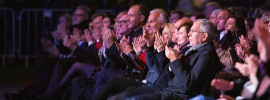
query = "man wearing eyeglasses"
x=81 y=13
x=122 y=28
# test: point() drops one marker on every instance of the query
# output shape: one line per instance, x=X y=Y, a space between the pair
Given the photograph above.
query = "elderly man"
x=156 y=21
x=122 y=28
x=192 y=75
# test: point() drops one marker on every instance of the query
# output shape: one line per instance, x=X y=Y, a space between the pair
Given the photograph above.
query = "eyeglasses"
x=123 y=21
x=192 y=31
x=78 y=15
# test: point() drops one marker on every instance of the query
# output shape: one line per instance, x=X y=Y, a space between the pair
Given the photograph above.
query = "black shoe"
x=13 y=96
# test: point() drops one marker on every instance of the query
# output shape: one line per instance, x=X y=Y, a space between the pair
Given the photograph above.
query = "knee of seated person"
x=131 y=98
x=77 y=65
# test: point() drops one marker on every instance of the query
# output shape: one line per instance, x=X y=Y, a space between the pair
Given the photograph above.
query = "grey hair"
x=162 y=15
x=206 y=26
x=215 y=12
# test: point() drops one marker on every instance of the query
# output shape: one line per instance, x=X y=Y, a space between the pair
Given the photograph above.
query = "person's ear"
x=204 y=37
x=142 y=17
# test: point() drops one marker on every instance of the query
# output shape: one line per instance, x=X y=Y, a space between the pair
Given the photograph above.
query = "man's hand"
x=88 y=35
x=159 y=43
x=63 y=30
x=96 y=31
x=108 y=37
x=125 y=48
x=70 y=44
x=139 y=45
x=171 y=54
x=222 y=84
x=149 y=38
x=124 y=40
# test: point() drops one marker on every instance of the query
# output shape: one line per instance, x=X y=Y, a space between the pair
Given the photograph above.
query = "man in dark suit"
x=192 y=70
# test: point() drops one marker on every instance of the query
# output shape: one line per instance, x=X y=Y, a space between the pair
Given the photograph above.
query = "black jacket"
x=194 y=72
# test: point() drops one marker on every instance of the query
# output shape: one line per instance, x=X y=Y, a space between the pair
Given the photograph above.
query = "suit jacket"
x=87 y=54
x=194 y=72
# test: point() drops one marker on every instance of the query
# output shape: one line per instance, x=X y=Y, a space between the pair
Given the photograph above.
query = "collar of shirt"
x=221 y=35
x=196 y=47
x=79 y=43
x=90 y=43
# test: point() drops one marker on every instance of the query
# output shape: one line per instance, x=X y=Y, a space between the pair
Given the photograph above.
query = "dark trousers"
x=84 y=91
x=115 y=86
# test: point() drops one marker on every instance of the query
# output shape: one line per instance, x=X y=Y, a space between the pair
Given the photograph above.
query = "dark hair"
x=180 y=13
x=266 y=7
x=187 y=15
x=96 y=15
x=110 y=16
x=198 y=15
x=188 y=25
x=143 y=11
x=250 y=23
x=86 y=10
x=240 y=25
x=238 y=11
x=231 y=13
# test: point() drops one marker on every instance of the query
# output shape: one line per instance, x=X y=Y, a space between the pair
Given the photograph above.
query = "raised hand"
x=149 y=38
x=70 y=44
x=109 y=37
x=96 y=31
x=242 y=68
x=240 y=50
x=88 y=35
x=222 y=84
x=262 y=35
x=139 y=45
x=171 y=54
x=124 y=40
x=125 y=48
x=245 y=42
x=63 y=30
x=159 y=43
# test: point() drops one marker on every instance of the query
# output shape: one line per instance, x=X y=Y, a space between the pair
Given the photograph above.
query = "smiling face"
x=167 y=32
x=153 y=23
x=182 y=35
x=230 y=25
x=221 y=20
x=195 y=36
x=134 y=17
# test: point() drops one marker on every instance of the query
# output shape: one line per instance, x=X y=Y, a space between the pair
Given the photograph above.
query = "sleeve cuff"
x=175 y=64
